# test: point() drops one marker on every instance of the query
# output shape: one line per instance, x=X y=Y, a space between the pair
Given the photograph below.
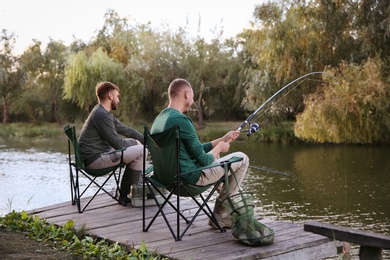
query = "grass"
x=46 y=130
x=75 y=242
x=283 y=133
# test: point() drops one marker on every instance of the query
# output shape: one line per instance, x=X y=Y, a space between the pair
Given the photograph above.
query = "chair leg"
x=160 y=210
x=117 y=183
x=72 y=186
x=101 y=188
x=77 y=195
x=77 y=192
x=201 y=207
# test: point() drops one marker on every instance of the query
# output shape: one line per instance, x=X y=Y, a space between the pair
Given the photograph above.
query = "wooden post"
x=371 y=243
x=370 y=253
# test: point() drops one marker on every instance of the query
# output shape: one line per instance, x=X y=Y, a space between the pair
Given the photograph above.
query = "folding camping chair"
x=165 y=175
x=77 y=169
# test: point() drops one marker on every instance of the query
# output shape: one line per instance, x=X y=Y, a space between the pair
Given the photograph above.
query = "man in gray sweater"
x=101 y=135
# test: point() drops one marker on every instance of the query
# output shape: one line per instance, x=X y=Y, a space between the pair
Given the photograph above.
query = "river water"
x=346 y=185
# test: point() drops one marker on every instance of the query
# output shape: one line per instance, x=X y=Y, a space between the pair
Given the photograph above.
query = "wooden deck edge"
x=315 y=252
x=355 y=236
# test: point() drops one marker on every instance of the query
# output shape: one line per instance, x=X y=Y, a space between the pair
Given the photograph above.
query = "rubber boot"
x=222 y=215
x=129 y=178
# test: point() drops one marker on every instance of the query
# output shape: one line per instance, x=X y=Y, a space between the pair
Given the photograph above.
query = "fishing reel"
x=253 y=128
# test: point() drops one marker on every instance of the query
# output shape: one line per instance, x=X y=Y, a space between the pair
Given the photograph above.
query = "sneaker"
x=124 y=200
x=222 y=216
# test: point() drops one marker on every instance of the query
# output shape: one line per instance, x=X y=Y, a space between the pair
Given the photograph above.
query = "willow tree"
x=10 y=76
x=352 y=109
x=149 y=60
x=82 y=73
x=290 y=39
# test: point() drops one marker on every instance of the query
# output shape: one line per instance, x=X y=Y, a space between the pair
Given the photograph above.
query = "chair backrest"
x=72 y=139
x=164 y=149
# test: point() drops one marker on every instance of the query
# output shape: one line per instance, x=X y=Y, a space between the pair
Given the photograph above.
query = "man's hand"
x=223 y=147
x=231 y=136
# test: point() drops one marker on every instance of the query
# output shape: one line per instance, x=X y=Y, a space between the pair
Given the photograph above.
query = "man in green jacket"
x=101 y=135
x=194 y=154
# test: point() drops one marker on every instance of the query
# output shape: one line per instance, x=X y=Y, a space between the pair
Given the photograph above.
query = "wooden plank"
x=106 y=219
x=226 y=243
x=289 y=241
x=100 y=201
x=360 y=237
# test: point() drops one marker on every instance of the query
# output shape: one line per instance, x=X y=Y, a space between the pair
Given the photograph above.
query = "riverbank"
x=283 y=133
x=25 y=237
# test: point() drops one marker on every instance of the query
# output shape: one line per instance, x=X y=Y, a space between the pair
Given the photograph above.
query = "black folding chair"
x=96 y=178
x=165 y=175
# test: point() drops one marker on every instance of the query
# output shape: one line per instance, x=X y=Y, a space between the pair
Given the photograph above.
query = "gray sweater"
x=101 y=132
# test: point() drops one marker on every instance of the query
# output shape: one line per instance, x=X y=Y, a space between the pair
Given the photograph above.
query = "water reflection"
x=33 y=174
x=344 y=185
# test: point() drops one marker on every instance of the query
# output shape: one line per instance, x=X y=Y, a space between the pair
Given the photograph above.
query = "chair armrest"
x=149 y=170
x=119 y=150
x=230 y=161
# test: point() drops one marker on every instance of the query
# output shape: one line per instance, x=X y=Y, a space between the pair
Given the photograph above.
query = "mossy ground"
x=17 y=245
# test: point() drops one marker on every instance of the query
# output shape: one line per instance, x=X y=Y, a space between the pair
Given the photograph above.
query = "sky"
x=66 y=20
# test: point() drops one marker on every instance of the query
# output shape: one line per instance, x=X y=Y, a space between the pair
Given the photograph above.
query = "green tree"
x=10 y=75
x=373 y=30
x=141 y=52
x=52 y=79
x=42 y=87
x=290 y=39
x=214 y=72
x=82 y=73
x=352 y=110
x=31 y=103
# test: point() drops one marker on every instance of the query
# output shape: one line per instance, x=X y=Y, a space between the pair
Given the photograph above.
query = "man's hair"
x=102 y=88
x=176 y=85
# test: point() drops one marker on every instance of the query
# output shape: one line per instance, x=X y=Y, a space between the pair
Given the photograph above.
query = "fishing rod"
x=255 y=127
x=269 y=170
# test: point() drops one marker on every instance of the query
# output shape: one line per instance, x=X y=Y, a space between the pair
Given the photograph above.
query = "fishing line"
x=288 y=92
x=269 y=170
x=254 y=127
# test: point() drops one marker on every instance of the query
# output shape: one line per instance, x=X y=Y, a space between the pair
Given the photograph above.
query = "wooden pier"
x=107 y=219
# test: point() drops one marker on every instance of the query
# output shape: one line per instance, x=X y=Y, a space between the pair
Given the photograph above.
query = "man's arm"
x=192 y=144
x=106 y=126
x=222 y=144
x=128 y=131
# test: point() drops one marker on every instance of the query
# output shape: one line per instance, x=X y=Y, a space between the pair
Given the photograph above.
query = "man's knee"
x=245 y=158
x=133 y=153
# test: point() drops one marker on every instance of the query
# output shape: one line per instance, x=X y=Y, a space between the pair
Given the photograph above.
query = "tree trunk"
x=5 y=111
x=200 y=106
x=200 y=111
x=56 y=113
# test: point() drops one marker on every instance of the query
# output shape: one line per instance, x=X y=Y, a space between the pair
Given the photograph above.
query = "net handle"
x=228 y=168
